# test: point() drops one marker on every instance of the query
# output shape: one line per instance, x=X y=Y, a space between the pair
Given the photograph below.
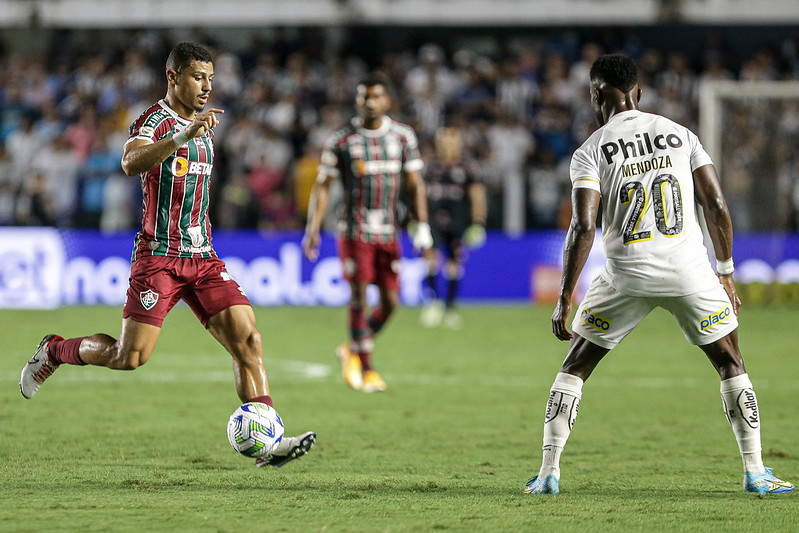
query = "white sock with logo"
x=562 y=406
x=740 y=406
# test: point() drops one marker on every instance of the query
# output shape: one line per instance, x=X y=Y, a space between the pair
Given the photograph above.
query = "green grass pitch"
x=448 y=446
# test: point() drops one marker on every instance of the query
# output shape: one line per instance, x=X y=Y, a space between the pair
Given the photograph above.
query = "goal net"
x=751 y=130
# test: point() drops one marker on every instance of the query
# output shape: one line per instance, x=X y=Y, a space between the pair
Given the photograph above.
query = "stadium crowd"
x=64 y=117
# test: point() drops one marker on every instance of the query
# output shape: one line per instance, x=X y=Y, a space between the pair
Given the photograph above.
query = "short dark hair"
x=184 y=53
x=617 y=70
x=376 y=78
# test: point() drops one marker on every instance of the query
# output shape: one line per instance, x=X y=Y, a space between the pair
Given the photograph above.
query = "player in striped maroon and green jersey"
x=375 y=158
x=171 y=148
x=176 y=191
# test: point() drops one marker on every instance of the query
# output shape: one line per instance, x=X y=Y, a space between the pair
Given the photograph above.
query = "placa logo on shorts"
x=595 y=321
x=714 y=318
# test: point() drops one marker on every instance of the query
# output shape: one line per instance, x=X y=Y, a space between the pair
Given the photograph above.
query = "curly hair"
x=617 y=70
x=377 y=78
x=184 y=53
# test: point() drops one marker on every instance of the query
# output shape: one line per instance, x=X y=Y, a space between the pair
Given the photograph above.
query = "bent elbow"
x=127 y=168
x=583 y=227
x=716 y=208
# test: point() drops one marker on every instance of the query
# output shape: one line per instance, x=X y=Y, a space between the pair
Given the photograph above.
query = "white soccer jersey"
x=642 y=165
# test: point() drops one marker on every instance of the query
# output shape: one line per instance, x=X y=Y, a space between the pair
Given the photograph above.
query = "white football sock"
x=740 y=406
x=562 y=406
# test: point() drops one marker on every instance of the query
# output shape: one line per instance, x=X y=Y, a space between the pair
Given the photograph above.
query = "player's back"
x=643 y=165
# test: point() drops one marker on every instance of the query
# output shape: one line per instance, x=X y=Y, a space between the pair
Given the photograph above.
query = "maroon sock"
x=366 y=360
x=66 y=351
x=264 y=399
x=357 y=323
x=376 y=321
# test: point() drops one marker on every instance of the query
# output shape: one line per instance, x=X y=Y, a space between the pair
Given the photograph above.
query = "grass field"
x=447 y=447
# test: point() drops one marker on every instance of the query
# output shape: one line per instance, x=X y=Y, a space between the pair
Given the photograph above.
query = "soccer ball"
x=254 y=429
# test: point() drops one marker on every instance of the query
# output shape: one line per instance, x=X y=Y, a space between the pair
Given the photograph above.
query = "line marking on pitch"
x=310 y=371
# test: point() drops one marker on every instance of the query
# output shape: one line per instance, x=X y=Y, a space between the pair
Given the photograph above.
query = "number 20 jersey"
x=642 y=165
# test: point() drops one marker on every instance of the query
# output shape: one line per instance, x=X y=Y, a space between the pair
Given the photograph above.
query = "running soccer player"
x=171 y=147
x=647 y=172
x=375 y=158
x=456 y=206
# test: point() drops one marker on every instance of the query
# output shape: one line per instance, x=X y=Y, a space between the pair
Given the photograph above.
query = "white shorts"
x=606 y=316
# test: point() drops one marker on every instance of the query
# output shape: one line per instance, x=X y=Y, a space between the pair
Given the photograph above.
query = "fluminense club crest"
x=148 y=299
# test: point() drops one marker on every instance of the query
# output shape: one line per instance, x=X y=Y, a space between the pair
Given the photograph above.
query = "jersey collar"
x=385 y=124
x=624 y=114
x=171 y=111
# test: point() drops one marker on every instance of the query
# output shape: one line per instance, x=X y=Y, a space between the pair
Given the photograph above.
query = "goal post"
x=751 y=130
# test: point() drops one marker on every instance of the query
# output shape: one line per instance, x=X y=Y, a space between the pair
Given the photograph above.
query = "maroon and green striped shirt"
x=370 y=165
x=176 y=193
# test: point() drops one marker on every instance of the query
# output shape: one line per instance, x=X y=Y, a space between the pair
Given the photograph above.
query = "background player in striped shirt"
x=171 y=148
x=648 y=173
x=376 y=158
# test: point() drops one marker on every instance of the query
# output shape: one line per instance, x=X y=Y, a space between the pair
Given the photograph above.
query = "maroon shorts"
x=371 y=262
x=158 y=283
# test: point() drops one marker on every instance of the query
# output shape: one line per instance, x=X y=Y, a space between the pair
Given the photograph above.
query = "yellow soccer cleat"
x=351 y=369
x=372 y=382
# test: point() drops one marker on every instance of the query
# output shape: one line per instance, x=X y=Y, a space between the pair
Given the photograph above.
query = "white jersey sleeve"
x=584 y=171
x=699 y=157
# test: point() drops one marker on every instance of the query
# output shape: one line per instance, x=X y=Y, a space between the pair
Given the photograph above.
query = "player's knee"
x=254 y=340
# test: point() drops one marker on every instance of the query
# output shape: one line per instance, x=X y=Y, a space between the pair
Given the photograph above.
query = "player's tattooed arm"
x=719 y=223
x=579 y=240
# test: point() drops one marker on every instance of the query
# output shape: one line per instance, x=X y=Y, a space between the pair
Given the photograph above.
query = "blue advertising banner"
x=45 y=267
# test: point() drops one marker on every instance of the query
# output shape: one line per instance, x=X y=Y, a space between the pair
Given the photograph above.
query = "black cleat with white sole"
x=289 y=449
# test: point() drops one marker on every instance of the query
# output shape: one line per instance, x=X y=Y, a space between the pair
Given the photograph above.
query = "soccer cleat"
x=288 y=449
x=766 y=483
x=39 y=368
x=351 y=369
x=548 y=485
x=453 y=320
x=432 y=314
x=372 y=382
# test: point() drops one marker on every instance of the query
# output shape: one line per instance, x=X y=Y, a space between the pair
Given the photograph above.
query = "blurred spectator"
x=58 y=167
x=35 y=206
x=548 y=184
x=511 y=144
x=429 y=85
x=9 y=187
x=287 y=89
x=13 y=109
x=82 y=135
x=23 y=145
